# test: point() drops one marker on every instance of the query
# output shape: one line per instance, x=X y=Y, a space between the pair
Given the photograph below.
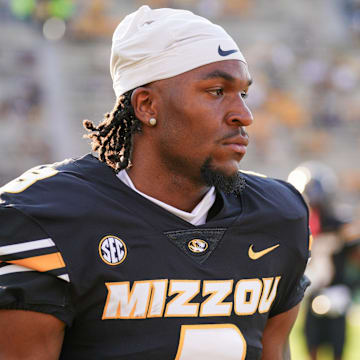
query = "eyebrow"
x=222 y=74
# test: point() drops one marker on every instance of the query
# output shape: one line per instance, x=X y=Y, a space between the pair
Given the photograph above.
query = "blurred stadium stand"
x=304 y=58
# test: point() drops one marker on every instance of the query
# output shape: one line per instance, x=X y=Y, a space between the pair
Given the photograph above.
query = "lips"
x=237 y=144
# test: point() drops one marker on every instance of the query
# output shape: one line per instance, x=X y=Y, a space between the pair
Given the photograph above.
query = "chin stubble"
x=228 y=184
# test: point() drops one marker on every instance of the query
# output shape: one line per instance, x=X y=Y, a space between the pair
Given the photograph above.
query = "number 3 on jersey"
x=211 y=342
x=28 y=178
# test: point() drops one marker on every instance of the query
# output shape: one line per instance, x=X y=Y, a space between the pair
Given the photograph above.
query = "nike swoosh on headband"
x=226 y=52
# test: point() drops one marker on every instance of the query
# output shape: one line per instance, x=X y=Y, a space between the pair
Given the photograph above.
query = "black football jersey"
x=133 y=281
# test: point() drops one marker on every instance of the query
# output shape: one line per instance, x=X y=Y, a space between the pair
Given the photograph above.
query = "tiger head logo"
x=197 y=246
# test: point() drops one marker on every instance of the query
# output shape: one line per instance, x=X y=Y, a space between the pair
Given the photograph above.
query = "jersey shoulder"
x=277 y=208
x=53 y=183
x=275 y=193
x=40 y=209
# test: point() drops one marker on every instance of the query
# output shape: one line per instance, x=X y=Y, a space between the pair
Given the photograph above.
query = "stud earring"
x=152 y=121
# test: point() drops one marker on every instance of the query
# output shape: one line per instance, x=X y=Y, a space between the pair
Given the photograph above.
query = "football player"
x=334 y=269
x=159 y=247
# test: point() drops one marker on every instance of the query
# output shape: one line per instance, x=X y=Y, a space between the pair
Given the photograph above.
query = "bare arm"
x=28 y=335
x=276 y=335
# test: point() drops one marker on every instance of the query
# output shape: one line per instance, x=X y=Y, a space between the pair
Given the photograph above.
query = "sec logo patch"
x=112 y=250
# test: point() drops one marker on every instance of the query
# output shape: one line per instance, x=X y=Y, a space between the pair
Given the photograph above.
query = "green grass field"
x=352 y=345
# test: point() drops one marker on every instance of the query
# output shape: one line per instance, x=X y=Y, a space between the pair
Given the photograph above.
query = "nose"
x=241 y=114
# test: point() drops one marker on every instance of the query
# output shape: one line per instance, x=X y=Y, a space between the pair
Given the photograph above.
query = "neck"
x=156 y=175
x=170 y=188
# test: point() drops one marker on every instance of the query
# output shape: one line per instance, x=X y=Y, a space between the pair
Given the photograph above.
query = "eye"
x=217 y=91
x=244 y=95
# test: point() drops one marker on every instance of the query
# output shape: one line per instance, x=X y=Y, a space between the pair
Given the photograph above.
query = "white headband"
x=150 y=45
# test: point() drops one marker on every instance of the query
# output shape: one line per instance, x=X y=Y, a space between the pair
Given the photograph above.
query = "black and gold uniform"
x=133 y=281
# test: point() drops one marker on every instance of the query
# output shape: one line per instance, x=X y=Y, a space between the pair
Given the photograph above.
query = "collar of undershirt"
x=196 y=217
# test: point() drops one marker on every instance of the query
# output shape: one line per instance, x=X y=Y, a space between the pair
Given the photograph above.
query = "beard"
x=227 y=183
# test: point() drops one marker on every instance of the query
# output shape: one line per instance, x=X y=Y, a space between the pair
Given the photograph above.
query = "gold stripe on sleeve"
x=41 y=263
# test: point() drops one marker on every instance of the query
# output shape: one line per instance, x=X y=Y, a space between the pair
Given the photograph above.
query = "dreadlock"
x=112 y=138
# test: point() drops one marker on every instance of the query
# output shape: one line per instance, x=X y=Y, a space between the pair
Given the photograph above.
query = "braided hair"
x=113 y=137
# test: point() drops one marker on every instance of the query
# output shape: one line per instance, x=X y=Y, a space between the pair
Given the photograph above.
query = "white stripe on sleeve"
x=30 y=245
x=13 y=268
x=64 y=277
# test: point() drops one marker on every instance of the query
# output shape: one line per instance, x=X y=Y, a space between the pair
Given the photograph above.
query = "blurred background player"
x=335 y=265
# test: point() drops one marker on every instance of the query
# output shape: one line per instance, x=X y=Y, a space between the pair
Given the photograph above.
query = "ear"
x=143 y=102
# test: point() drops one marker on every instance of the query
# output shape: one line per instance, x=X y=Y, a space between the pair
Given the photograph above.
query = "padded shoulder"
x=59 y=184
x=278 y=193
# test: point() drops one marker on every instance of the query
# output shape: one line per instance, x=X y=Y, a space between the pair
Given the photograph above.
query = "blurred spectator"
x=352 y=13
x=94 y=12
x=41 y=10
x=334 y=269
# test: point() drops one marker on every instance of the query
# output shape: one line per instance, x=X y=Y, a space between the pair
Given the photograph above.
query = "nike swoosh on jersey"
x=254 y=255
x=226 y=52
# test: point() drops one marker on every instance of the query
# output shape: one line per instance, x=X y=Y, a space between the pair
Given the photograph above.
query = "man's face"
x=202 y=117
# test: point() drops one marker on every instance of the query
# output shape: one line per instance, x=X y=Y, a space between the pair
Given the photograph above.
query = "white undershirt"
x=196 y=217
